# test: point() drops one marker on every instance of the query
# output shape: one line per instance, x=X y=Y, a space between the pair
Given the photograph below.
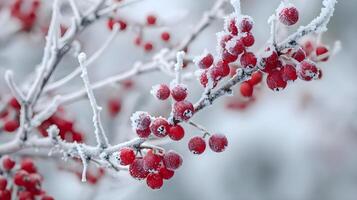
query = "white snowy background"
x=298 y=144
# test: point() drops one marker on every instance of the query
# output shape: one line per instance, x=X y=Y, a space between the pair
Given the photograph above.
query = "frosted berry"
x=299 y=54
x=223 y=68
x=289 y=15
x=143 y=133
x=218 y=142
x=275 y=81
x=172 y=160
x=228 y=57
x=197 y=145
x=235 y=46
x=176 y=132
x=160 y=127
x=248 y=59
x=307 y=70
x=179 y=92
x=248 y=40
x=161 y=92
x=246 y=24
x=256 y=78
x=154 y=181
x=309 y=47
x=11 y=125
x=246 y=89
x=7 y=162
x=20 y=177
x=151 y=19
x=203 y=78
x=223 y=39
x=126 y=156
x=136 y=169
x=205 y=61
x=232 y=27
x=151 y=161
x=165 y=36
x=166 y=173
x=114 y=107
x=269 y=61
x=322 y=53
x=140 y=120
x=289 y=73
x=28 y=165
x=183 y=110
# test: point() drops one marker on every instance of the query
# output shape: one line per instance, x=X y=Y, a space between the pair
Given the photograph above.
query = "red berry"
x=289 y=73
x=151 y=19
x=140 y=120
x=176 y=132
x=179 y=92
x=8 y=163
x=11 y=126
x=246 y=24
x=165 y=36
x=205 y=61
x=246 y=89
x=172 y=160
x=151 y=161
x=3 y=183
x=148 y=46
x=223 y=68
x=289 y=15
x=183 y=110
x=235 y=46
x=160 y=127
x=322 y=53
x=161 y=92
x=20 y=177
x=15 y=104
x=270 y=61
x=126 y=156
x=197 y=145
x=256 y=78
x=122 y=25
x=248 y=59
x=114 y=107
x=143 y=133
x=5 y=195
x=308 y=47
x=231 y=26
x=203 y=78
x=275 y=81
x=28 y=165
x=110 y=23
x=299 y=54
x=154 y=181
x=137 y=41
x=307 y=70
x=248 y=40
x=25 y=195
x=136 y=169
x=218 y=142
x=166 y=173
x=228 y=57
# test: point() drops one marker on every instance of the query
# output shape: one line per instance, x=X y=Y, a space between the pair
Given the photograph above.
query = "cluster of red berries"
x=9 y=116
x=27 y=18
x=151 y=21
x=24 y=180
x=66 y=127
x=155 y=167
x=217 y=143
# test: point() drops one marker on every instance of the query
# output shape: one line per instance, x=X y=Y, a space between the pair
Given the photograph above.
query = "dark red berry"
x=151 y=161
x=165 y=36
x=176 y=132
x=218 y=142
x=248 y=40
x=179 y=92
x=3 y=183
x=197 y=145
x=28 y=165
x=307 y=70
x=322 y=53
x=166 y=173
x=11 y=125
x=299 y=54
x=289 y=73
x=231 y=26
x=160 y=127
x=114 y=107
x=248 y=59
x=275 y=81
x=269 y=61
x=246 y=24
x=8 y=163
x=183 y=110
x=151 y=19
